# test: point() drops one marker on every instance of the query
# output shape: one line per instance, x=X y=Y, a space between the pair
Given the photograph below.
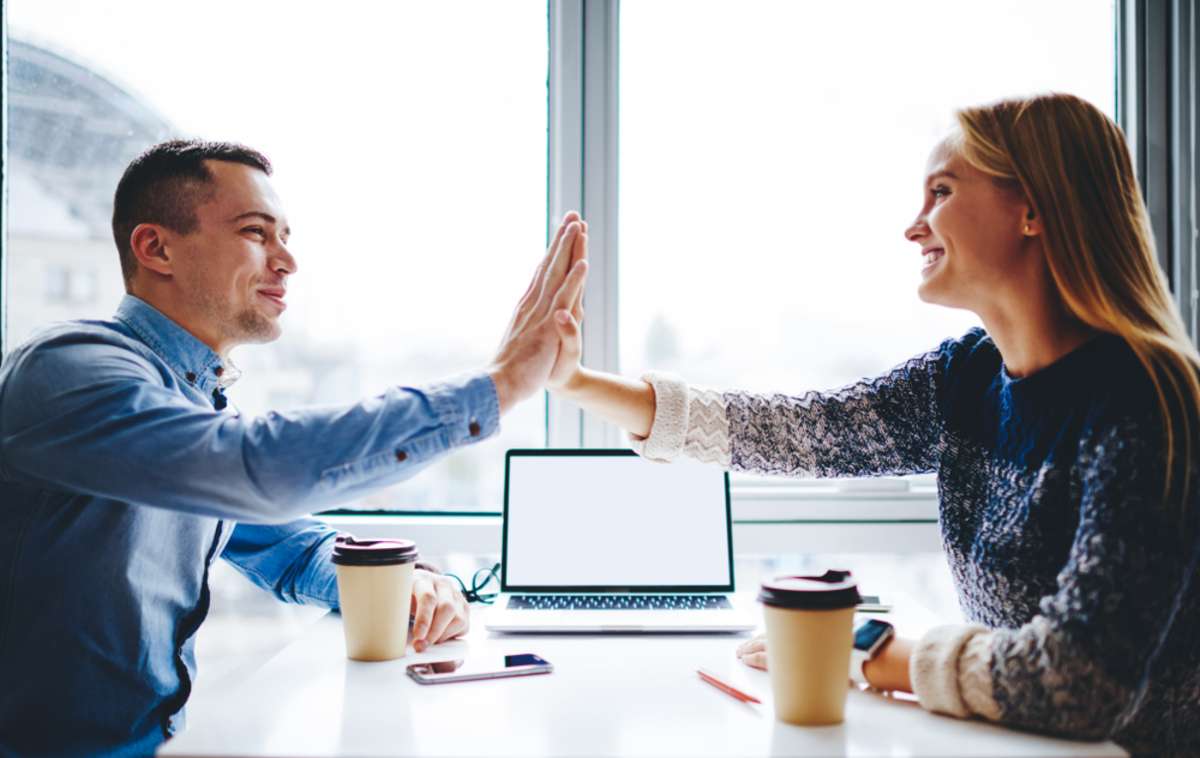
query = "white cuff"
x=950 y=672
x=669 y=429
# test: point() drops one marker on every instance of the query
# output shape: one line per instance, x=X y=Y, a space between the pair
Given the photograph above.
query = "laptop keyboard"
x=618 y=602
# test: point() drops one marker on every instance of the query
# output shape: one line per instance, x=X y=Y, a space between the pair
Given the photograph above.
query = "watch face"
x=868 y=635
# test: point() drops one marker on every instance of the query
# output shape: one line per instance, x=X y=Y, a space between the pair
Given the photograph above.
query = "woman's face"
x=972 y=233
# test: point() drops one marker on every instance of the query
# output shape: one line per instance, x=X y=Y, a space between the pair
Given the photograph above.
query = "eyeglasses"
x=479 y=582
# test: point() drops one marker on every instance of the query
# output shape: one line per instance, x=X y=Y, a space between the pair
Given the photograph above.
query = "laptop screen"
x=596 y=520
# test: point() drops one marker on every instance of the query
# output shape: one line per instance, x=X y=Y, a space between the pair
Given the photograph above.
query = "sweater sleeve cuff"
x=950 y=671
x=669 y=428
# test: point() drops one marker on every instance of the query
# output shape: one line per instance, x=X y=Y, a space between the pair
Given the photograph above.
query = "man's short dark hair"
x=164 y=185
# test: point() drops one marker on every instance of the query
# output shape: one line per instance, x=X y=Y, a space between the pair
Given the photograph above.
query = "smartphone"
x=461 y=670
x=873 y=604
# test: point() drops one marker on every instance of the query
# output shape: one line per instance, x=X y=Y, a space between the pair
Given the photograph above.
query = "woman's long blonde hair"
x=1072 y=164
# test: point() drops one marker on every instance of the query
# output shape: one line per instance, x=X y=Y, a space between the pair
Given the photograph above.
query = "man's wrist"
x=505 y=394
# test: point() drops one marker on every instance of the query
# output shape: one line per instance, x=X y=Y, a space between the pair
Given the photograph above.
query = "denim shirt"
x=123 y=475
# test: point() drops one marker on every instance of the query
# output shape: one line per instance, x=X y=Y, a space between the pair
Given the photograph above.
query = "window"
x=771 y=161
x=409 y=141
x=770 y=156
x=769 y=165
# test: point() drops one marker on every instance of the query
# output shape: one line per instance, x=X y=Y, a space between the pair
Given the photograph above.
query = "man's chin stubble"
x=255 y=328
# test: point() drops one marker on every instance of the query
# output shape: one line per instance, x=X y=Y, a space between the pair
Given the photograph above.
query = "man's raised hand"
x=531 y=345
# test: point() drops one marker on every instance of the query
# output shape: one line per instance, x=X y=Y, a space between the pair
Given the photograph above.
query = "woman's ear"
x=1031 y=223
x=149 y=245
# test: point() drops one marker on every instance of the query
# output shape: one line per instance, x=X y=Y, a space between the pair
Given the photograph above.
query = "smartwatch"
x=869 y=639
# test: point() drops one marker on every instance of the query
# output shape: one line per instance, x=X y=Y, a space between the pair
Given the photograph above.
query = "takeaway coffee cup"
x=810 y=622
x=375 y=579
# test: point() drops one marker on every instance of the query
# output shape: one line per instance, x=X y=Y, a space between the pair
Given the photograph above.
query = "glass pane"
x=409 y=141
x=771 y=157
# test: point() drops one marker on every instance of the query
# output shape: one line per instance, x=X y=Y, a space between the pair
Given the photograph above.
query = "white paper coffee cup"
x=375 y=579
x=810 y=622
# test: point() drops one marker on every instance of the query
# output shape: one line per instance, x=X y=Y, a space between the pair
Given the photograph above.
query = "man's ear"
x=149 y=244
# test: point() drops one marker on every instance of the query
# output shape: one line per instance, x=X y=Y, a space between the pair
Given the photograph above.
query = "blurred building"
x=71 y=132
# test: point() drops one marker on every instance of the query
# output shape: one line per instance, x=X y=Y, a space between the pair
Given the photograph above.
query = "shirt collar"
x=191 y=359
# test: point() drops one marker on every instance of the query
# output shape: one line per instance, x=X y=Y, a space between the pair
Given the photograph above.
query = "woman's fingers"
x=753 y=652
x=755 y=645
x=755 y=660
x=571 y=289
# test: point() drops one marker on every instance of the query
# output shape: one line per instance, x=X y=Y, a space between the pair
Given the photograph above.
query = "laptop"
x=604 y=541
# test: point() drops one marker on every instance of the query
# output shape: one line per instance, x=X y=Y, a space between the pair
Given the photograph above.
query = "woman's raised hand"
x=567 y=321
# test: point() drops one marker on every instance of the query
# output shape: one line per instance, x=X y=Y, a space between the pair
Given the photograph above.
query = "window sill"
x=773 y=526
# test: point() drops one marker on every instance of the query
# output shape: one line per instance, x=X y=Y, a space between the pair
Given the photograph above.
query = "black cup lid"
x=348 y=551
x=830 y=591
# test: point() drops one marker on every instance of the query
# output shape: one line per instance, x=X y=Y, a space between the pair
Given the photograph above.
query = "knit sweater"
x=1082 y=589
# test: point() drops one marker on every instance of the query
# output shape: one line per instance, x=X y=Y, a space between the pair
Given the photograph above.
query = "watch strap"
x=858 y=659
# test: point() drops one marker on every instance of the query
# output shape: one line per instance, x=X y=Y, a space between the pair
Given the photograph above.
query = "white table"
x=609 y=695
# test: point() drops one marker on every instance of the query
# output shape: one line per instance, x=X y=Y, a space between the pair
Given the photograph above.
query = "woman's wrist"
x=573 y=388
x=627 y=403
x=889 y=669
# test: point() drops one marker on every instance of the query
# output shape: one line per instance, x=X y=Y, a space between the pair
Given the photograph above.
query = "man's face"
x=232 y=269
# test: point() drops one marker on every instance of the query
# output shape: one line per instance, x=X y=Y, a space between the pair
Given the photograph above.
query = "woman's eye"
x=940 y=191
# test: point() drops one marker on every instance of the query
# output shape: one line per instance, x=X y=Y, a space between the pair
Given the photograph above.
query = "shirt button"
x=218 y=370
x=401 y=456
x=190 y=376
x=474 y=429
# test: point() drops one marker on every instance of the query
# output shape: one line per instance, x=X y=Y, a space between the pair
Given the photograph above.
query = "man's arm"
x=97 y=419
x=91 y=416
x=292 y=562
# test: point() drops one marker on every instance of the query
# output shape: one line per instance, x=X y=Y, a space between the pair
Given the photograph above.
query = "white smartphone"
x=873 y=604
x=462 y=670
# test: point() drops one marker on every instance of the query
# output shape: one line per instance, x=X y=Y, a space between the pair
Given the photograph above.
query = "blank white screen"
x=615 y=521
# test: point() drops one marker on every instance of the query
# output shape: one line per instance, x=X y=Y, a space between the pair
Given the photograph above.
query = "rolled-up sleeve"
x=292 y=561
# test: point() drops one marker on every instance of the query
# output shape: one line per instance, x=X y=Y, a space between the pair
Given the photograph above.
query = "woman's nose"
x=916 y=230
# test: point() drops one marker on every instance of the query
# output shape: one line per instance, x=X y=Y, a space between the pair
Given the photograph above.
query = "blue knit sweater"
x=1082 y=586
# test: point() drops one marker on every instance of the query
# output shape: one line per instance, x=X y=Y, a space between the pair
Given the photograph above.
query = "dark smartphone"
x=464 y=670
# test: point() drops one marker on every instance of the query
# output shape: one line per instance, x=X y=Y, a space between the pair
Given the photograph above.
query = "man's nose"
x=283 y=261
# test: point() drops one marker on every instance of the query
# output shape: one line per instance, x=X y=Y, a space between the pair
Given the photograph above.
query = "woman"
x=1063 y=435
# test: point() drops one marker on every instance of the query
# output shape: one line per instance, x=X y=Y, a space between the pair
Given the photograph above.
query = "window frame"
x=1157 y=53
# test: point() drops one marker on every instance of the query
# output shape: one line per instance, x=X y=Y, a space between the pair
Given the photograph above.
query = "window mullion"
x=565 y=168
x=583 y=175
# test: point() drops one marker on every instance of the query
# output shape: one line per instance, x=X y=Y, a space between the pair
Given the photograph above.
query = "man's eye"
x=255 y=230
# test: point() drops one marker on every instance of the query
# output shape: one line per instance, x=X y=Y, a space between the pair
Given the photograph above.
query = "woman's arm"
x=1121 y=621
x=628 y=403
x=887 y=425
x=891 y=424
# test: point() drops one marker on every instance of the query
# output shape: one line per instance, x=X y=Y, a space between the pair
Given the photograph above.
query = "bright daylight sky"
x=408 y=139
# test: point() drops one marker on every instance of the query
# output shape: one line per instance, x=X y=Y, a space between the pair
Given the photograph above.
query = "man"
x=123 y=475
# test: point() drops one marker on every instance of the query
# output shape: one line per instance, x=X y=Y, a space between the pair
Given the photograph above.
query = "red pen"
x=727 y=689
